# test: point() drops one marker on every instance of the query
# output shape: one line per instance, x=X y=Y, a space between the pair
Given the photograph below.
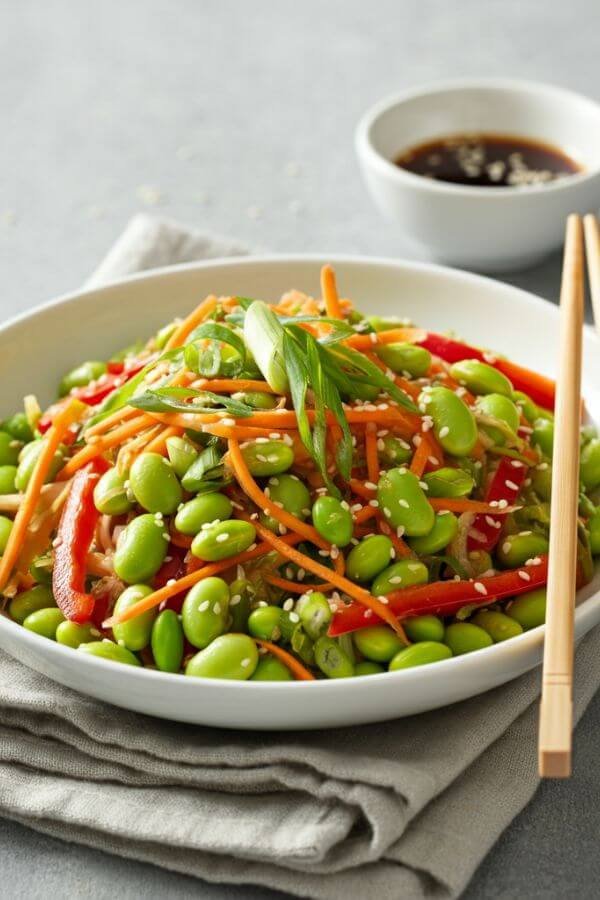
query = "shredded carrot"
x=116 y=418
x=185 y=328
x=159 y=443
x=402 y=549
x=300 y=672
x=55 y=434
x=421 y=456
x=371 y=452
x=364 y=514
x=342 y=584
x=361 y=489
x=101 y=443
x=180 y=540
x=330 y=293
x=233 y=385
x=295 y=587
x=240 y=432
x=462 y=504
x=393 y=336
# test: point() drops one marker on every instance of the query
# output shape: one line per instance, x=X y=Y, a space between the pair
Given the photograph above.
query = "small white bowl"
x=485 y=228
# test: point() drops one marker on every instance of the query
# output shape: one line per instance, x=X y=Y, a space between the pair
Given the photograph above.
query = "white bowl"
x=36 y=349
x=483 y=228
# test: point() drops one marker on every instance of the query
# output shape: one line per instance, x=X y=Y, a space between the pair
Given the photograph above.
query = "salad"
x=286 y=491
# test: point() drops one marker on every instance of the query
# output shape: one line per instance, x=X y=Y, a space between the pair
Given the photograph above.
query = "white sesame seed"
x=502 y=504
x=294 y=617
x=171 y=582
x=288 y=604
x=374 y=503
x=387 y=511
x=373 y=337
x=400 y=531
x=245 y=662
x=516 y=464
x=203 y=606
x=444 y=431
x=524 y=576
x=404 y=503
x=395 y=579
x=511 y=485
x=235 y=600
x=370 y=485
x=221 y=538
x=480 y=588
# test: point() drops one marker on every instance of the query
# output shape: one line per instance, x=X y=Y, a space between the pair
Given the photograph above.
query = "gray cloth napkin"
x=402 y=809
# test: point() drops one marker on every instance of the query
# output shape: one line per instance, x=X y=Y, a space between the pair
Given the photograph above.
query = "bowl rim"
x=526 y=640
x=368 y=152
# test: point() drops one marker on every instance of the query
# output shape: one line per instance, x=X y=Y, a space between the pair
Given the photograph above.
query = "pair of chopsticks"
x=556 y=710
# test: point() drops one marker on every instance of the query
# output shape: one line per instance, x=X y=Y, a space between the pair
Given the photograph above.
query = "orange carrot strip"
x=372 y=457
x=330 y=293
x=117 y=418
x=461 y=505
x=239 y=432
x=294 y=587
x=393 y=336
x=420 y=456
x=159 y=443
x=185 y=328
x=364 y=514
x=342 y=584
x=251 y=488
x=402 y=549
x=101 y=443
x=55 y=434
x=360 y=488
x=232 y=385
x=294 y=665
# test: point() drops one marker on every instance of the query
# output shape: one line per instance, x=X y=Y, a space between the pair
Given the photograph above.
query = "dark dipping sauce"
x=488 y=160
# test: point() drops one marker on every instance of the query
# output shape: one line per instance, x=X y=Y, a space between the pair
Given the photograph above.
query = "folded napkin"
x=401 y=809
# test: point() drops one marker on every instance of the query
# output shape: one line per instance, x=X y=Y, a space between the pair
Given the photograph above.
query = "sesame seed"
x=374 y=503
x=373 y=337
x=524 y=576
x=274 y=435
x=502 y=504
x=516 y=464
x=221 y=538
x=203 y=606
x=433 y=460
x=288 y=604
x=480 y=588
x=262 y=440
x=444 y=431
x=395 y=579
x=383 y=599
x=423 y=485
x=261 y=458
x=417 y=439
x=506 y=546
x=294 y=617
x=400 y=531
x=370 y=485
x=387 y=512
x=534 y=561
x=368 y=613
x=171 y=582
x=235 y=600
x=404 y=503
x=245 y=662
x=511 y=485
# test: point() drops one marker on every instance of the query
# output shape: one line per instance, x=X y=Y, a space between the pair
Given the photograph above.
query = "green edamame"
x=29 y=457
x=515 y=549
x=448 y=482
x=265 y=623
x=135 y=633
x=27 y=602
x=480 y=378
x=445 y=528
x=270 y=668
x=291 y=494
x=589 y=466
x=368 y=558
x=453 y=422
x=480 y=562
x=256 y=399
x=367 y=667
x=401 y=574
x=154 y=484
x=377 y=643
x=141 y=549
x=421 y=654
x=202 y=510
x=424 y=628
x=182 y=453
x=333 y=520
x=71 y=634
x=9 y=449
x=110 y=494
x=106 y=649
x=215 y=542
x=403 y=502
x=268 y=457
x=529 y=609
x=240 y=603
x=166 y=641
x=541 y=480
x=405 y=358
x=81 y=375
x=44 y=621
x=464 y=637
x=527 y=406
x=331 y=659
x=231 y=656
x=497 y=406
x=5 y=530
x=7 y=479
x=315 y=614
x=499 y=626
x=393 y=451
x=18 y=426
x=543 y=436
x=204 y=612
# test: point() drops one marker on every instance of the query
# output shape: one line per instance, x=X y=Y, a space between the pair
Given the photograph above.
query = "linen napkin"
x=406 y=808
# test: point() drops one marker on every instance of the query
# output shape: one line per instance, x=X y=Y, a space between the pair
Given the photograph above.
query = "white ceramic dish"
x=486 y=229
x=37 y=348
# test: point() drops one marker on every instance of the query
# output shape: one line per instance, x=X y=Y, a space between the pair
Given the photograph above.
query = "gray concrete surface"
x=238 y=117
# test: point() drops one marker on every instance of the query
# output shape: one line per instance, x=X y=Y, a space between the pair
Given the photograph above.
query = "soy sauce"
x=488 y=160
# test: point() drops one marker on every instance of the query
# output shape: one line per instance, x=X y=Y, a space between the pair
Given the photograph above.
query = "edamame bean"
x=268 y=458
x=499 y=626
x=529 y=609
x=44 y=621
x=167 y=641
x=106 y=649
x=464 y=637
x=586 y=507
x=333 y=520
x=515 y=549
x=135 y=633
x=240 y=603
x=424 y=628
x=265 y=623
x=19 y=427
x=480 y=561
x=527 y=406
x=369 y=558
x=586 y=433
x=203 y=510
x=480 y=378
x=5 y=530
x=315 y=614
x=256 y=399
x=453 y=422
x=7 y=479
x=445 y=528
x=448 y=482
x=110 y=494
x=378 y=643
x=403 y=502
x=401 y=574
x=71 y=634
x=497 y=406
x=27 y=602
x=409 y=358
x=543 y=436
x=290 y=493
x=141 y=549
x=270 y=668
x=81 y=375
x=215 y=542
x=367 y=667
x=380 y=323
x=420 y=654
x=231 y=656
x=29 y=458
x=594 y=529
x=205 y=611
x=331 y=659
x=40 y=569
x=182 y=453
x=541 y=480
x=393 y=451
x=9 y=449
x=154 y=484
x=589 y=466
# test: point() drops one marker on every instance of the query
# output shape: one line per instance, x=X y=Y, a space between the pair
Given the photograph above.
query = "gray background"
x=238 y=118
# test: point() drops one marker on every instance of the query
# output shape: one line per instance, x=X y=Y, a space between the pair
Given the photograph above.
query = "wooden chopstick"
x=556 y=711
x=591 y=227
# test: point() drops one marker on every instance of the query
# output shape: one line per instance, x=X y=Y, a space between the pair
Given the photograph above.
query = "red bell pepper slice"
x=538 y=387
x=444 y=598
x=504 y=486
x=73 y=540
